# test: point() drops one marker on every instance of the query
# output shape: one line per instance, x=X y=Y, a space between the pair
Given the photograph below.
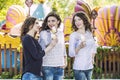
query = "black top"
x=32 y=55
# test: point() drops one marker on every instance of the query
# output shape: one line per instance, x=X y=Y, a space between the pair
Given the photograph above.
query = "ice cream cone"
x=82 y=38
x=53 y=30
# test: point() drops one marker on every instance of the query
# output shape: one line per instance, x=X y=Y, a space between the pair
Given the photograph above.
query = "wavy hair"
x=26 y=25
x=86 y=21
x=53 y=14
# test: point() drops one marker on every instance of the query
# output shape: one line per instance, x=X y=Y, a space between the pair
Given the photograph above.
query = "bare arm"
x=65 y=62
x=65 y=59
x=93 y=56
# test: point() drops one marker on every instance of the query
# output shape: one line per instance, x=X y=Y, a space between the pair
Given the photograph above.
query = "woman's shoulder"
x=88 y=32
x=27 y=38
x=73 y=34
x=44 y=32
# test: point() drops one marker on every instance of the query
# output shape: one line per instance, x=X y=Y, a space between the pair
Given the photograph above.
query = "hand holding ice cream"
x=83 y=39
x=53 y=31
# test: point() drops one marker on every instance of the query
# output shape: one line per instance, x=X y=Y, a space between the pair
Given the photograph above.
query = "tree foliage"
x=5 y=4
x=63 y=7
x=102 y=3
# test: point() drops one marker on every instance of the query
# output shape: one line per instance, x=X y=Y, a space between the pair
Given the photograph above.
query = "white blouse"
x=83 y=59
x=56 y=56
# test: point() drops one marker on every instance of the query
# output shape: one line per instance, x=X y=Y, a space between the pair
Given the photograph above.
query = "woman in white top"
x=82 y=46
x=54 y=61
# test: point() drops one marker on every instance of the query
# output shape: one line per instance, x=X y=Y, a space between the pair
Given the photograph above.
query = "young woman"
x=82 y=46
x=32 y=51
x=54 y=61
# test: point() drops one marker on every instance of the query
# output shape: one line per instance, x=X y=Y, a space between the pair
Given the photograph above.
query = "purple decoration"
x=112 y=15
x=79 y=2
x=79 y=8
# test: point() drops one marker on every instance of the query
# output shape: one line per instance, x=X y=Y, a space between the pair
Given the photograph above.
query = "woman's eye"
x=48 y=21
x=53 y=20
x=37 y=23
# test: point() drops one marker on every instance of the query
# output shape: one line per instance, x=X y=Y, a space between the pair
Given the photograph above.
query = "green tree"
x=63 y=7
x=5 y=4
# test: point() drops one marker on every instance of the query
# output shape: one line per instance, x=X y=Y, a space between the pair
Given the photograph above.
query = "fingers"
x=54 y=41
x=83 y=44
x=63 y=66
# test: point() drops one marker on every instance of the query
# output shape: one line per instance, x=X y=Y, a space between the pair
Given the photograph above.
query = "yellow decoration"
x=15 y=15
x=67 y=28
x=6 y=39
x=19 y=47
x=108 y=26
x=41 y=1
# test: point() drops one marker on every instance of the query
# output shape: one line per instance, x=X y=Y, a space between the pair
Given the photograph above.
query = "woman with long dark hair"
x=82 y=46
x=32 y=51
x=55 y=61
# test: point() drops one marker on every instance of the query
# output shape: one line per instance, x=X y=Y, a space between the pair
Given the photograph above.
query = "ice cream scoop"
x=53 y=36
x=82 y=38
x=54 y=30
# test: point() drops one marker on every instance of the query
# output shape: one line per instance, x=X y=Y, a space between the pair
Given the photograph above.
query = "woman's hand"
x=51 y=45
x=54 y=41
x=53 y=36
x=65 y=61
x=82 y=45
x=93 y=56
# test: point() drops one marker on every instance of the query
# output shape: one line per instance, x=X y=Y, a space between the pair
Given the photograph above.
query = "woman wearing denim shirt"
x=82 y=46
x=54 y=61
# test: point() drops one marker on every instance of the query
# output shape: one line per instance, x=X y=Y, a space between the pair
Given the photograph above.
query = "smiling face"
x=81 y=20
x=78 y=22
x=52 y=22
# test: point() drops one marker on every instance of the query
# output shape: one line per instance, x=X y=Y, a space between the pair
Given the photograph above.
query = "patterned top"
x=83 y=59
x=56 y=56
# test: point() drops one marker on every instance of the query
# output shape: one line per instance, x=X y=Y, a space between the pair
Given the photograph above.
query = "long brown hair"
x=53 y=14
x=26 y=25
x=85 y=19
